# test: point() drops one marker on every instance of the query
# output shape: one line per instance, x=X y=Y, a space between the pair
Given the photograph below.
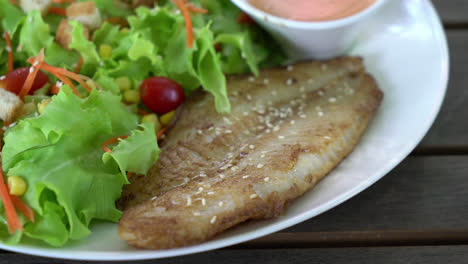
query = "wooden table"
x=418 y=213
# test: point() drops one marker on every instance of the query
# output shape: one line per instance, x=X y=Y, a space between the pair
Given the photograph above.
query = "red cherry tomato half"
x=161 y=95
x=15 y=79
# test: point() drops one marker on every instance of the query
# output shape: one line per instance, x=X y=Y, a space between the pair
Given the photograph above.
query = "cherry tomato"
x=161 y=95
x=15 y=79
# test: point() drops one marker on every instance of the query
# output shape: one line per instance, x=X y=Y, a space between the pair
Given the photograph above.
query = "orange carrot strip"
x=78 y=66
x=13 y=221
x=181 y=4
x=58 y=11
x=10 y=51
x=111 y=141
x=13 y=2
x=36 y=65
x=54 y=89
x=23 y=208
x=63 y=1
x=161 y=133
x=67 y=81
x=72 y=75
x=196 y=9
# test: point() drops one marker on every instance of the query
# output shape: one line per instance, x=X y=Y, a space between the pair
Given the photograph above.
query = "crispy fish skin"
x=287 y=130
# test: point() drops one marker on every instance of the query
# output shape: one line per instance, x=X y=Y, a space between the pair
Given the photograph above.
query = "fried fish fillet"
x=287 y=129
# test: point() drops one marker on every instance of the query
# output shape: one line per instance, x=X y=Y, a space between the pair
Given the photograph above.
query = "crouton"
x=10 y=104
x=85 y=13
x=30 y=5
x=64 y=33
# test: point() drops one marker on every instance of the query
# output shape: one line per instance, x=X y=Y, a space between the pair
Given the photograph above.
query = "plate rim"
x=439 y=34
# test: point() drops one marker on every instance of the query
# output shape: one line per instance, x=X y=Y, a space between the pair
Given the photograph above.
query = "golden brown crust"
x=287 y=130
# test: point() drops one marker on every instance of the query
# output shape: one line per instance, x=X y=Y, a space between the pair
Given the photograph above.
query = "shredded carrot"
x=78 y=66
x=23 y=208
x=67 y=81
x=54 y=89
x=58 y=11
x=111 y=141
x=245 y=19
x=182 y=5
x=13 y=2
x=77 y=77
x=196 y=9
x=13 y=221
x=36 y=65
x=10 y=51
x=63 y=1
x=60 y=73
x=161 y=133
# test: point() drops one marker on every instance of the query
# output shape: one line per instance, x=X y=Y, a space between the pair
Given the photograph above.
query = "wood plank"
x=359 y=239
x=450 y=130
x=422 y=193
x=452 y=11
x=358 y=255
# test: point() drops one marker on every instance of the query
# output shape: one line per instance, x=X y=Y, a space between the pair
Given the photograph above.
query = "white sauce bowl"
x=312 y=40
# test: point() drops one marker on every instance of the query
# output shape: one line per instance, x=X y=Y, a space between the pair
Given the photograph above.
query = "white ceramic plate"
x=405 y=49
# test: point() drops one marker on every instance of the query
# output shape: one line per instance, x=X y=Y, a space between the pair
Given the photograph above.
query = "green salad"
x=86 y=116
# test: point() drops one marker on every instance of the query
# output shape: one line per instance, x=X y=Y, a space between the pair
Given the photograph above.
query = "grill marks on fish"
x=217 y=171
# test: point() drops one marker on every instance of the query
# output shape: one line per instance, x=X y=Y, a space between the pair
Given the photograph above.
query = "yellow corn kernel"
x=42 y=105
x=16 y=185
x=123 y=83
x=91 y=84
x=152 y=119
x=27 y=109
x=131 y=96
x=105 y=51
x=125 y=30
x=166 y=118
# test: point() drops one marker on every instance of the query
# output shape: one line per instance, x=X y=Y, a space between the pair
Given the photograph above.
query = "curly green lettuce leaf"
x=86 y=48
x=136 y=153
x=10 y=16
x=142 y=48
x=34 y=34
x=59 y=155
x=180 y=66
x=157 y=25
x=265 y=52
x=106 y=34
x=112 y=8
x=234 y=59
x=58 y=56
x=209 y=70
x=107 y=83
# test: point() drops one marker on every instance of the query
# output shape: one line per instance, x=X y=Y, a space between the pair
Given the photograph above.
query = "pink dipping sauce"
x=312 y=10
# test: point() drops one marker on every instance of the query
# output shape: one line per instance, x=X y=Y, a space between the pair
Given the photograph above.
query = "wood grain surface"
x=452 y=11
x=353 y=255
x=449 y=133
x=424 y=192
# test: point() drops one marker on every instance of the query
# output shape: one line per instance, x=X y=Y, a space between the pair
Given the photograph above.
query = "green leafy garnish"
x=60 y=157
